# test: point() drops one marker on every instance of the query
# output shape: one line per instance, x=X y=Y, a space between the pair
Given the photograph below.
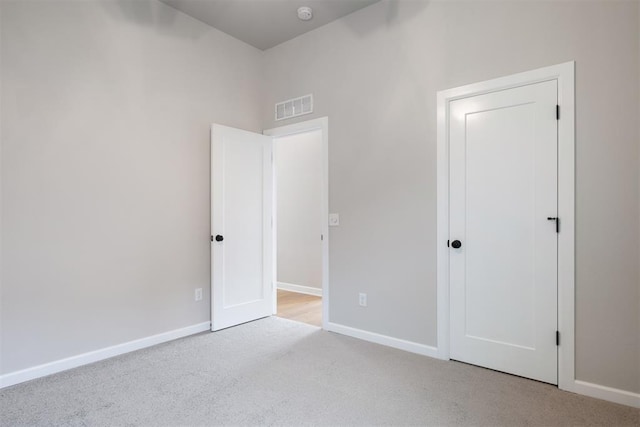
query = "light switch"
x=334 y=219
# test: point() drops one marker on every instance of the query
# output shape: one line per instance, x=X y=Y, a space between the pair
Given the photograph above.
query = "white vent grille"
x=294 y=107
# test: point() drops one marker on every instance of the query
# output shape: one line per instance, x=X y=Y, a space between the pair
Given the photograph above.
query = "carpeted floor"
x=276 y=371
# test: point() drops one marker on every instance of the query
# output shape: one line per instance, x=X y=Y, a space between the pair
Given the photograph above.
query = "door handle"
x=456 y=244
x=219 y=238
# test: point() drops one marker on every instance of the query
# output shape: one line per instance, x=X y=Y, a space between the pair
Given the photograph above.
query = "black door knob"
x=219 y=238
x=456 y=244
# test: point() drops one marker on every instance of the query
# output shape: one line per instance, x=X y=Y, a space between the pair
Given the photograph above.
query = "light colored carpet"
x=276 y=371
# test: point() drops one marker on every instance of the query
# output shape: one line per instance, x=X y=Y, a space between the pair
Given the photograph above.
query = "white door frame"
x=564 y=74
x=321 y=124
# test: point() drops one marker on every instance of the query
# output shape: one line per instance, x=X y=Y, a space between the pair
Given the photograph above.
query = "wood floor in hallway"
x=300 y=307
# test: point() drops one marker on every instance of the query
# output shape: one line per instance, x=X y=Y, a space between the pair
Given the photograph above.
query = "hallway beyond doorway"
x=300 y=307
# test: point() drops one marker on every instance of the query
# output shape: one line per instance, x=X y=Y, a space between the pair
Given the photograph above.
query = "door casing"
x=321 y=124
x=564 y=74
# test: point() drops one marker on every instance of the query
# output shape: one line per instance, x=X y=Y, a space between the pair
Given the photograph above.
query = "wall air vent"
x=294 y=107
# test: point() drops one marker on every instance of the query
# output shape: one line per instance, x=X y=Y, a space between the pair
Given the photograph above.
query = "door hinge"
x=322 y=237
x=557 y=337
x=557 y=112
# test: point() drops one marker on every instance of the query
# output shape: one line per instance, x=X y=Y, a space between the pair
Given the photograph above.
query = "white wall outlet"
x=198 y=295
x=362 y=300
x=334 y=219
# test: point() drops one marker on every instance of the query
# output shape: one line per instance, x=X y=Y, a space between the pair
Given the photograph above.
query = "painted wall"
x=298 y=160
x=106 y=108
x=376 y=72
x=105 y=161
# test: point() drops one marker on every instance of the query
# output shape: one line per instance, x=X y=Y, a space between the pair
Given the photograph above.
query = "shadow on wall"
x=387 y=16
x=154 y=14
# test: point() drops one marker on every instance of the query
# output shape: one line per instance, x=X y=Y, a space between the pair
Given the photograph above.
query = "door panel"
x=503 y=280
x=242 y=263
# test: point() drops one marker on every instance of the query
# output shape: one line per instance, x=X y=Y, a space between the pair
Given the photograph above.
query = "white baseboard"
x=300 y=289
x=23 y=375
x=607 y=393
x=405 y=345
x=580 y=387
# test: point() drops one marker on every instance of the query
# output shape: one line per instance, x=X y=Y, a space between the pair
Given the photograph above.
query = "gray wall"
x=106 y=108
x=105 y=161
x=375 y=73
x=298 y=161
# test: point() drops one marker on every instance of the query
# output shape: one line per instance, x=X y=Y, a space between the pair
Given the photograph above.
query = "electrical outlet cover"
x=362 y=300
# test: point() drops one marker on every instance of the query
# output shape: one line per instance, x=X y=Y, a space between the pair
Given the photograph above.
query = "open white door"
x=241 y=221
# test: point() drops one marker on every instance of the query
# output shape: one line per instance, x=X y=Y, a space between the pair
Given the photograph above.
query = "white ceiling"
x=266 y=23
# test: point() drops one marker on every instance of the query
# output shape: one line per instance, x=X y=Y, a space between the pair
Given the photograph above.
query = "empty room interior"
x=284 y=212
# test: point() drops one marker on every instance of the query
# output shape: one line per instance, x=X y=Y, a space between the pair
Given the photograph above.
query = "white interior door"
x=503 y=189
x=241 y=221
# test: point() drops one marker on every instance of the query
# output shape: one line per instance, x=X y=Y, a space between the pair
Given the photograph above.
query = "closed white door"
x=503 y=254
x=241 y=221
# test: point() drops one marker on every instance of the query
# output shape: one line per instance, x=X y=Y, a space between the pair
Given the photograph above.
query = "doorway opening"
x=300 y=228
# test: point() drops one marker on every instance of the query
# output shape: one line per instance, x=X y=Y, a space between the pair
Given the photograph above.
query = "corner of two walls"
x=106 y=112
x=161 y=78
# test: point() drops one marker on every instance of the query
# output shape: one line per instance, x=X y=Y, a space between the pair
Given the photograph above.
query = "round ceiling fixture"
x=305 y=13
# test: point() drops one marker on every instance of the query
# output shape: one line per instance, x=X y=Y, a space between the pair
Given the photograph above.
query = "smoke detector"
x=305 y=13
